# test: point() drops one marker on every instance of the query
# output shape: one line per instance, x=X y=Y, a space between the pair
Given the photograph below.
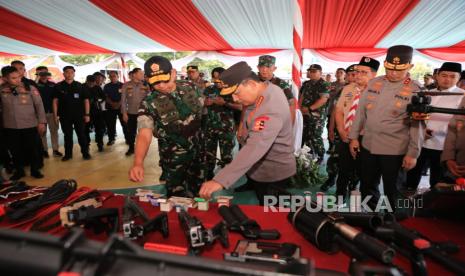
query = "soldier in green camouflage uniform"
x=219 y=124
x=314 y=96
x=332 y=167
x=173 y=111
x=266 y=67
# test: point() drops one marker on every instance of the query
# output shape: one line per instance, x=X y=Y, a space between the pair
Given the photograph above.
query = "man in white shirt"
x=436 y=126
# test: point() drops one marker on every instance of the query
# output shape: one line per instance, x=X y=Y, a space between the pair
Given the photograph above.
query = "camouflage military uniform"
x=312 y=136
x=284 y=86
x=332 y=168
x=176 y=119
x=219 y=128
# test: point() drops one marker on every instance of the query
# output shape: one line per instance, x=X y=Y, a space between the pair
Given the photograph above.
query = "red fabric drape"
x=460 y=44
x=3 y=54
x=351 y=23
x=177 y=24
x=247 y=52
x=350 y=54
x=20 y=28
x=456 y=54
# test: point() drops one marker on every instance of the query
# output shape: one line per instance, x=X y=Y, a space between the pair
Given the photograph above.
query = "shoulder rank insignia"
x=259 y=123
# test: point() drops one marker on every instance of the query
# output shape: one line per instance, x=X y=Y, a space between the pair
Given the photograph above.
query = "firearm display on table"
x=330 y=233
x=131 y=230
x=409 y=243
x=198 y=236
x=74 y=254
x=237 y=221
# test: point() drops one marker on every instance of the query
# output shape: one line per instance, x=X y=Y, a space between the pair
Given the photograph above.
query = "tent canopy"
x=340 y=30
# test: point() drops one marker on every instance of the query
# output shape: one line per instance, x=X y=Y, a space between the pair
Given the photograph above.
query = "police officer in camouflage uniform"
x=219 y=124
x=173 y=111
x=23 y=117
x=313 y=97
x=391 y=140
x=266 y=67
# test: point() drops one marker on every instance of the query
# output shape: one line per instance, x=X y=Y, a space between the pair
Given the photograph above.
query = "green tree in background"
x=420 y=69
x=206 y=66
x=84 y=59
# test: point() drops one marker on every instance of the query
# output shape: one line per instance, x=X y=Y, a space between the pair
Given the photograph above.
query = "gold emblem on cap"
x=396 y=60
x=155 y=67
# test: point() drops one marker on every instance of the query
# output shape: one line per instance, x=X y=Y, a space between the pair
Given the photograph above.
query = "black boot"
x=36 y=174
x=130 y=151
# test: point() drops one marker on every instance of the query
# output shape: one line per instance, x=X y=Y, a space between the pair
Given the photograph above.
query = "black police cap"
x=451 y=67
x=157 y=69
x=398 y=57
x=234 y=75
x=370 y=62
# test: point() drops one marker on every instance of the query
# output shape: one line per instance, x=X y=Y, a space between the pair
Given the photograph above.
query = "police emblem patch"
x=259 y=123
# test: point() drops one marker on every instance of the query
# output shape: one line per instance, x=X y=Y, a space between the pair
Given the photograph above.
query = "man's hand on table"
x=208 y=188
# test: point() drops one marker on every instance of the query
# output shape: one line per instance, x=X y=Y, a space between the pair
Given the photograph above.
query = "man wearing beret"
x=267 y=155
x=173 y=112
x=219 y=124
x=391 y=140
x=266 y=67
x=436 y=126
x=194 y=76
x=313 y=100
x=345 y=110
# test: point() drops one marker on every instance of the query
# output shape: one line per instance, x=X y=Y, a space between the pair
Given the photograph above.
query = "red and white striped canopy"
x=341 y=30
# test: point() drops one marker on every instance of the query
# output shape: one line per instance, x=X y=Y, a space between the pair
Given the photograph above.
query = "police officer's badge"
x=396 y=60
x=260 y=123
x=367 y=59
